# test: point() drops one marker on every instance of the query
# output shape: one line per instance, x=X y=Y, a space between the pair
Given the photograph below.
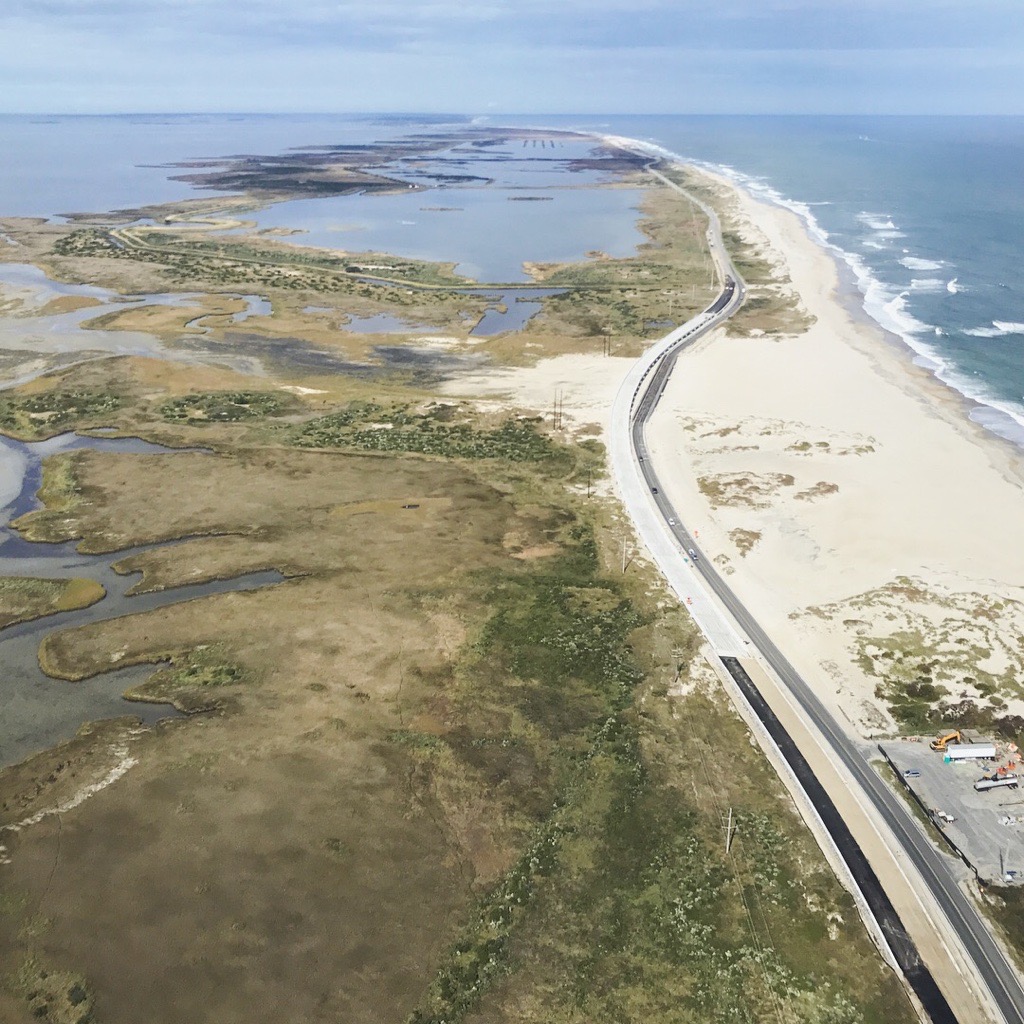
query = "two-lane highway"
x=640 y=487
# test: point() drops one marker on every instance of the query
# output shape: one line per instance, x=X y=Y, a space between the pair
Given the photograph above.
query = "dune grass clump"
x=193 y=684
x=50 y=412
x=370 y=427
x=222 y=407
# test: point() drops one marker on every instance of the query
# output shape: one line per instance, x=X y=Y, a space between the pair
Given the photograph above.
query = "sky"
x=513 y=56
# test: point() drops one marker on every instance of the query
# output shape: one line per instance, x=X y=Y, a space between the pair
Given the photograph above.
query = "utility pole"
x=729 y=833
x=556 y=413
x=623 y=556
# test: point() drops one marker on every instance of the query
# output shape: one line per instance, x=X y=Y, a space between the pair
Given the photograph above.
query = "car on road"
x=911 y=773
x=693 y=554
x=671 y=522
x=654 y=490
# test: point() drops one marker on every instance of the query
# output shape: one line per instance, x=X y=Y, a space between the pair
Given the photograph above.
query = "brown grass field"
x=458 y=766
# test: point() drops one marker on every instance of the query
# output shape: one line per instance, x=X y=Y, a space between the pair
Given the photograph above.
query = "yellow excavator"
x=940 y=743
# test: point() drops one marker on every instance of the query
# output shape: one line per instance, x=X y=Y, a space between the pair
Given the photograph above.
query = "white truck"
x=969 y=751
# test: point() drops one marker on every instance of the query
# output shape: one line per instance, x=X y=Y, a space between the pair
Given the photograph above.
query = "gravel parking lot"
x=987 y=829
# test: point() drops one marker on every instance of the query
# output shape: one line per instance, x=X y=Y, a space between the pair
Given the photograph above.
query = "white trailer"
x=969 y=751
x=999 y=782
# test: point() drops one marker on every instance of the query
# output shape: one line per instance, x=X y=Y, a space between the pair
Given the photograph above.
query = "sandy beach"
x=583 y=385
x=866 y=522
x=869 y=525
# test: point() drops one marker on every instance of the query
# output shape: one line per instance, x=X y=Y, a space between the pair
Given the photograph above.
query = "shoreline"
x=847 y=294
x=858 y=278
x=829 y=469
x=855 y=281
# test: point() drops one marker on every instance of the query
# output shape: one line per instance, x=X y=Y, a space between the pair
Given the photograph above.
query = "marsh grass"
x=39 y=415
x=30 y=597
x=367 y=426
x=224 y=406
x=219 y=257
x=52 y=996
x=59 y=493
x=623 y=905
x=195 y=681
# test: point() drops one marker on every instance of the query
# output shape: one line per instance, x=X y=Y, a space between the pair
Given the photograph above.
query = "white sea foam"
x=885 y=305
x=999 y=329
x=953 y=287
x=876 y=221
x=915 y=263
x=927 y=284
x=882 y=227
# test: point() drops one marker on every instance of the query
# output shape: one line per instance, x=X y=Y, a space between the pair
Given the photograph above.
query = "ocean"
x=925 y=214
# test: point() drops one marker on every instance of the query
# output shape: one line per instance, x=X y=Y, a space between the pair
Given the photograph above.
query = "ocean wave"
x=876 y=221
x=884 y=304
x=881 y=225
x=953 y=287
x=914 y=263
x=927 y=284
x=999 y=329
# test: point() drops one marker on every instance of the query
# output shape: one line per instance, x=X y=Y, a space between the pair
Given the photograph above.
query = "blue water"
x=72 y=164
x=486 y=233
x=76 y=164
x=518 y=203
x=925 y=214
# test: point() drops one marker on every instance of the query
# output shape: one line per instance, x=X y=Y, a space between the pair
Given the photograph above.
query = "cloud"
x=513 y=55
x=545 y=24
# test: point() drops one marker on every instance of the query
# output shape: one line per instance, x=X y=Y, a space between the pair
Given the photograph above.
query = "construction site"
x=967 y=786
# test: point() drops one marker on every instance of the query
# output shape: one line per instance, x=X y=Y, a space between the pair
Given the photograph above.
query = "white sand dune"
x=852 y=505
x=859 y=472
